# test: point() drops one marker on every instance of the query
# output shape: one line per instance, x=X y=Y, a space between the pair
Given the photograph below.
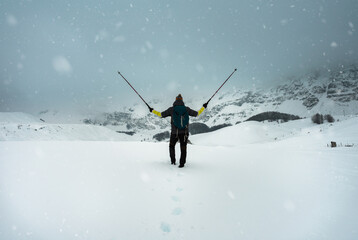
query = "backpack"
x=180 y=117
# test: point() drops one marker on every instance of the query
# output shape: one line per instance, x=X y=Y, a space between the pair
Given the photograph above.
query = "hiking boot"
x=181 y=165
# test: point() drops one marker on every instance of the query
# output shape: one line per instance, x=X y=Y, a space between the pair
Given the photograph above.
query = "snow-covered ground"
x=249 y=181
x=24 y=127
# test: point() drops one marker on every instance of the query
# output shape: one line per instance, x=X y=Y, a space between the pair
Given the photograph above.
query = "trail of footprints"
x=177 y=211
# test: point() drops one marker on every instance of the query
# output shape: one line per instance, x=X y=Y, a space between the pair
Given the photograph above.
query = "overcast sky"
x=67 y=53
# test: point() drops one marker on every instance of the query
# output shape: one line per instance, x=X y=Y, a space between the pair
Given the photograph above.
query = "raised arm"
x=201 y=110
x=164 y=114
x=197 y=113
x=159 y=114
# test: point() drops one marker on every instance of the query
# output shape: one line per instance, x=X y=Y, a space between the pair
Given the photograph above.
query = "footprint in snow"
x=165 y=227
x=175 y=198
x=177 y=211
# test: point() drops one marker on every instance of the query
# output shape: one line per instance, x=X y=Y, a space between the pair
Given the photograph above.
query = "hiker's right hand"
x=205 y=105
x=150 y=109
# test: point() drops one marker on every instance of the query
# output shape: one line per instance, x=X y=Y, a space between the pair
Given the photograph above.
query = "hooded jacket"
x=169 y=112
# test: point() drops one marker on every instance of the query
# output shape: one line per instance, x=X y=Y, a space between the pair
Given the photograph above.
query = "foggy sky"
x=59 y=54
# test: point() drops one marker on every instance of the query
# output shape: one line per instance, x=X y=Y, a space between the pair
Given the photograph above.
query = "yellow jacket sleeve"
x=201 y=110
x=159 y=114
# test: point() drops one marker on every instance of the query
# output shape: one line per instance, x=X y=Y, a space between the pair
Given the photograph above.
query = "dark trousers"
x=182 y=137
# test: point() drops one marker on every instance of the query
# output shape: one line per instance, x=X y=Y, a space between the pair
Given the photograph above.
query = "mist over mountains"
x=66 y=55
x=334 y=93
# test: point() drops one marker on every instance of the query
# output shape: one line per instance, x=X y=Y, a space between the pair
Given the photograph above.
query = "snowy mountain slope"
x=291 y=188
x=63 y=116
x=20 y=127
x=66 y=132
x=329 y=93
x=334 y=92
x=17 y=117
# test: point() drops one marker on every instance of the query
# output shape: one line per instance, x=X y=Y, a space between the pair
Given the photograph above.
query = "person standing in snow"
x=179 y=126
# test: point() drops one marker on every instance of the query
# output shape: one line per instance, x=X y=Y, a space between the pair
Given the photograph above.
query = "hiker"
x=180 y=126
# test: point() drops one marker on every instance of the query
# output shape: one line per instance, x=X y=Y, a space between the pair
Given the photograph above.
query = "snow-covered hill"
x=20 y=127
x=17 y=117
x=249 y=181
x=334 y=92
x=269 y=132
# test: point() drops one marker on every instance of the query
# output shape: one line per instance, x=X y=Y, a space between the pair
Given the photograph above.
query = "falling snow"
x=61 y=64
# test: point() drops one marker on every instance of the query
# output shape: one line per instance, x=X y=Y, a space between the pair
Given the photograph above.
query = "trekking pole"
x=221 y=86
x=134 y=89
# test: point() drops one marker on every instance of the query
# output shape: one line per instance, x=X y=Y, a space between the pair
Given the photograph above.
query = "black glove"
x=205 y=105
x=150 y=109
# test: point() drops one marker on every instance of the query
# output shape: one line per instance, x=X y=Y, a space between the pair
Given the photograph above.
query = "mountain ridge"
x=334 y=92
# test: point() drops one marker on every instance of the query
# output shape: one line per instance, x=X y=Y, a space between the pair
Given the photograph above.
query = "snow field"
x=17 y=117
x=59 y=132
x=17 y=126
x=267 y=132
x=249 y=181
x=128 y=190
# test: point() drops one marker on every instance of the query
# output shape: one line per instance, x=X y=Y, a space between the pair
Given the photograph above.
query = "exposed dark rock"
x=348 y=84
x=196 y=128
x=217 y=127
x=346 y=98
x=319 y=89
x=344 y=85
x=161 y=136
x=88 y=121
x=332 y=85
x=130 y=133
x=310 y=102
x=273 y=116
